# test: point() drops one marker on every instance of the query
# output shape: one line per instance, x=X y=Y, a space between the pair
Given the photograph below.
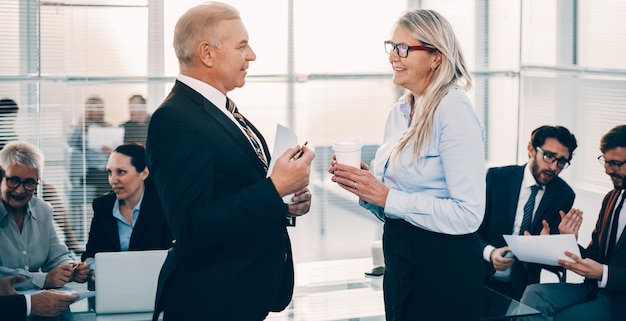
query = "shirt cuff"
x=28 y=308
x=605 y=277
x=487 y=252
x=39 y=279
x=395 y=206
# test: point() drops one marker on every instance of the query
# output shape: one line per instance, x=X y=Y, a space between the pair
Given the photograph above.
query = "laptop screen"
x=127 y=281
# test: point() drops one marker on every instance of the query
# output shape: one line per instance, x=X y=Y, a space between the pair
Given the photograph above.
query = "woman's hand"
x=360 y=182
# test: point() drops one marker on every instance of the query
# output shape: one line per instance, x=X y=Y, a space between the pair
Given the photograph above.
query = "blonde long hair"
x=433 y=30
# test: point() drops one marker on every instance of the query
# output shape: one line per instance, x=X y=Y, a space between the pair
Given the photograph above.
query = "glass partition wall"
x=321 y=69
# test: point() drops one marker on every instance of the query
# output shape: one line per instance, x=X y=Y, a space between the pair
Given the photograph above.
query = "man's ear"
x=531 y=149
x=205 y=54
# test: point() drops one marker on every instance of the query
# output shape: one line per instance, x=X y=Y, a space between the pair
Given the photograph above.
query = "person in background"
x=602 y=295
x=131 y=217
x=427 y=178
x=8 y=116
x=136 y=128
x=232 y=258
x=16 y=307
x=527 y=199
x=29 y=245
x=94 y=179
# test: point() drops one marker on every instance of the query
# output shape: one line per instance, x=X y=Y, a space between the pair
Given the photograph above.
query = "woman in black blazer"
x=131 y=217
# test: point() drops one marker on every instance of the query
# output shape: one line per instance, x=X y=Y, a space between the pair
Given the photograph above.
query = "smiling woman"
x=29 y=245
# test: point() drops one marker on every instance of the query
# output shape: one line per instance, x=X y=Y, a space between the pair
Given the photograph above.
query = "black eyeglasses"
x=29 y=183
x=614 y=165
x=403 y=50
x=550 y=158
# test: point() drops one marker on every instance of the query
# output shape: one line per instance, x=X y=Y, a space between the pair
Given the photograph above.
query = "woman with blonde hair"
x=427 y=181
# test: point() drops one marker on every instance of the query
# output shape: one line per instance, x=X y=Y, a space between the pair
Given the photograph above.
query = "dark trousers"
x=431 y=276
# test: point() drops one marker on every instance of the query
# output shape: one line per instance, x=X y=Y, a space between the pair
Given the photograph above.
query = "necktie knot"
x=534 y=189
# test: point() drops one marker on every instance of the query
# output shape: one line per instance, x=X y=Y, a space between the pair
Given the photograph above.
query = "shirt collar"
x=4 y=212
x=118 y=214
x=529 y=179
x=207 y=91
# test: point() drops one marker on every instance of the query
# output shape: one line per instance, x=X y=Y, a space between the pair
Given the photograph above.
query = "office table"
x=338 y=290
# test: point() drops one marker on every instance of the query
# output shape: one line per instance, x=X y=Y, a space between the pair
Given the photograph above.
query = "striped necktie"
x=529 y=207
x=231 y=107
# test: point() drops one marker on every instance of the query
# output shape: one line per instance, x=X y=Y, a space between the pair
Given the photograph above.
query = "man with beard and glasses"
x=603 y=263
x=527 y=199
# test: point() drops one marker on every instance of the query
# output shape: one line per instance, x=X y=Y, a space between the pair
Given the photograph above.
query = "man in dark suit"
x=509 y=189
x=232 y=256
x=603 y=263
x=47 y=303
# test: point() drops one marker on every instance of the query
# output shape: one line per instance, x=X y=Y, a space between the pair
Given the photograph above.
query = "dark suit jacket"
x=151 y=231
x=13 y=308
x=616 y=261
x=503 y=189
x=232 y=258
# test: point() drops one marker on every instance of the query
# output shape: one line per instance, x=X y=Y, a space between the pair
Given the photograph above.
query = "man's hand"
x=498 y=259
x=291 y=176
x=50 y=303
x=6 y=284
x=81 y=272
x=570 y=222
x=301 y=202
x=584 y=267
x=59 y=276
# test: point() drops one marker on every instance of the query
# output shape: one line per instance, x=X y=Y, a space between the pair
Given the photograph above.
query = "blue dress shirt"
x=445 y=191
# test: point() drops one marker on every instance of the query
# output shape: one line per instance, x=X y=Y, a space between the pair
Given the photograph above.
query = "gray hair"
x=199 y=24
x=22 y=153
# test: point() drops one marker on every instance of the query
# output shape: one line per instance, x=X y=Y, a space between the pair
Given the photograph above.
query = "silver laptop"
x=126 y=281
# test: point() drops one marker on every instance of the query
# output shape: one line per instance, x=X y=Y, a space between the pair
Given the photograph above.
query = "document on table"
x=542 y=249
x=285 y=139
x=67 y=290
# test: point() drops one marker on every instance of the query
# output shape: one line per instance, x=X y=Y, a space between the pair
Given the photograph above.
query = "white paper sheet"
x=67 y=290
x=542 y=249
x=285 y=139
x=99 y=136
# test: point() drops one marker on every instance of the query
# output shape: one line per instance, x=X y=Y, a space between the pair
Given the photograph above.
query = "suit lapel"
x=229 y=126
x=234 y=131
x=111 y=222
x=514 y=190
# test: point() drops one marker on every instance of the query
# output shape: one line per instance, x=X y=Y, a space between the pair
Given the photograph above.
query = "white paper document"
x=542 y=249
x=285 y=139
x=99 y=136
x=67 y=290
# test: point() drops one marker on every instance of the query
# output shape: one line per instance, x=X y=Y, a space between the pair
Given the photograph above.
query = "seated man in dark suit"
x=527 y=199
x=603 y=263
x=48 y=303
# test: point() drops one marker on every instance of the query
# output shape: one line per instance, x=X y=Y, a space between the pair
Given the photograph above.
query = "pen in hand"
x=298 y=153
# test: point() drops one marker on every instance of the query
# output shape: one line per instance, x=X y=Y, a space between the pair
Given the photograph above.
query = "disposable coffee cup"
x=348 y=152
x=378 y=258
